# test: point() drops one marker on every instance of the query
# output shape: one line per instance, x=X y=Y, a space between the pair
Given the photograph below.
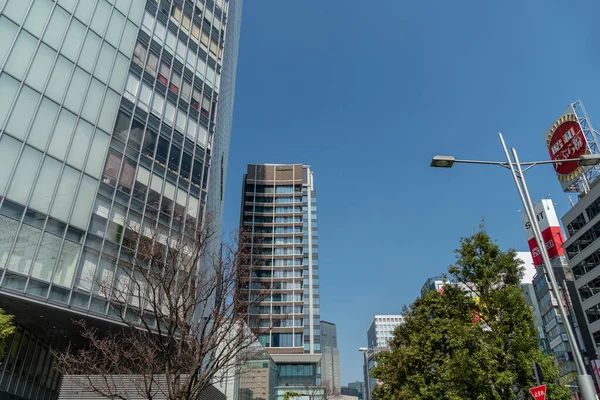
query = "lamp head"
x=442 y=161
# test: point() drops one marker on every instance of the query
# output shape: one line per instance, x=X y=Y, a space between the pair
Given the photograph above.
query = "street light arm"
x=525 y=163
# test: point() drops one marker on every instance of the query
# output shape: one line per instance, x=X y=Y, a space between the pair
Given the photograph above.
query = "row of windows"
x=278 y=240
x=586 y=265
x=281 y=340
x=278 y=273
x=199 y=36
x=279 y=200
x=593 y=209
x=590 y=289
x=277 y=229
x=165 y=110
x=277 y=251
x=172 y=78
x=281 y=262
x=48 y=262
x=276 y=310
x=280 y=189
x=278 y=297
x=168 y=154
x=281 y=323
x=576 y=225
x=180 y=51
x=276 y=285
x=584 y=241
x=277 y=220
x=276 y=210
x=593 y=313
x=61 y=191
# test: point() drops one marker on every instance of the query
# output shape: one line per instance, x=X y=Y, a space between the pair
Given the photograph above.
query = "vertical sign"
x=551 y=231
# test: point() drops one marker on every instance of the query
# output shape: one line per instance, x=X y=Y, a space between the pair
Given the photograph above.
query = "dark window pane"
x=149 y=143
x=162 y=151
x=186 y=165
x=197 y=173
x=174 y=158
x=111 y=169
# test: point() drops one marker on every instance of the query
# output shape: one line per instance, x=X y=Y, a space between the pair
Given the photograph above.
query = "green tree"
x=6 y=329
x=460 y=345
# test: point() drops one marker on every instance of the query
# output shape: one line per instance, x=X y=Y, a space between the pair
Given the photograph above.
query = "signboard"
x=538 y=392
x=566 y=140
x=551 y=231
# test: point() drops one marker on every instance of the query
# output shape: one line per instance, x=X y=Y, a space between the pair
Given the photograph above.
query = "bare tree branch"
x=182 y=313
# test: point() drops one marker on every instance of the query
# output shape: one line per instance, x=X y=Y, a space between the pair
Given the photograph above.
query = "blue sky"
x=368 y=91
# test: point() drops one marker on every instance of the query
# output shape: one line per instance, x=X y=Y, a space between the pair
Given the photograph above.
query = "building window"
x=139 y=54
x=186 y=90
x=196 y=32
x=584 y=241
x=204 y=39
x=152 y=65
x=175 y=82
x=176 y=13
x=163 y=75
x=196 y=99
x=214 y=47
x=593 y=209
x=205 y=106
x=185 y=23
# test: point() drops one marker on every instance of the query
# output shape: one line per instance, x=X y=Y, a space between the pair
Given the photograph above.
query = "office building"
x=553 y=324
x=379 y=334
x=279 y=221
x=330 y=359
x=582 y=223
x=529 y=295
x=115 y=116
x=360 y=386
x=348 y=391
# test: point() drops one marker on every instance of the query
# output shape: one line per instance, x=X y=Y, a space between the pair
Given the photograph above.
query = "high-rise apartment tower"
x=279 y=220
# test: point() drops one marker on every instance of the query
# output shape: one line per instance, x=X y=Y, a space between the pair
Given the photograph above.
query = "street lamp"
x=584 y=381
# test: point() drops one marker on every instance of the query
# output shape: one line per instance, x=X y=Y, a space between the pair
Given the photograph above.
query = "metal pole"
x=586 y=384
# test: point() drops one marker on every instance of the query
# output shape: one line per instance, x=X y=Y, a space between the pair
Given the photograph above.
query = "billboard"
x=566 y=140
x=551 y=231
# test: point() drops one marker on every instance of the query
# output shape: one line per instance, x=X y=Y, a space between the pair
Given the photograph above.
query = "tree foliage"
x=475 y=340
x=6 y=329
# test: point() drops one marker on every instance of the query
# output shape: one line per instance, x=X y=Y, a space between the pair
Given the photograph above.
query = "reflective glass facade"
x=109 y=119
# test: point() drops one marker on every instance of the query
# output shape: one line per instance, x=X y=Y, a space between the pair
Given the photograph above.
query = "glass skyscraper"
x=115 y=117
x=279 y=221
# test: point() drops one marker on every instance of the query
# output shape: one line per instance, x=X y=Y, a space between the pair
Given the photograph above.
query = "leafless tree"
x=313 y=392
x=180 y=312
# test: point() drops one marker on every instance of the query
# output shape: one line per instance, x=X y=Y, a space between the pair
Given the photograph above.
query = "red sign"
x=551 y=231
x=567 y=141
x=553 y=239
x=538 y=392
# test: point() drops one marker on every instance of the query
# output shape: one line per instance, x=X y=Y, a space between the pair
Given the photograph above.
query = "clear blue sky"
x=368 y=91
